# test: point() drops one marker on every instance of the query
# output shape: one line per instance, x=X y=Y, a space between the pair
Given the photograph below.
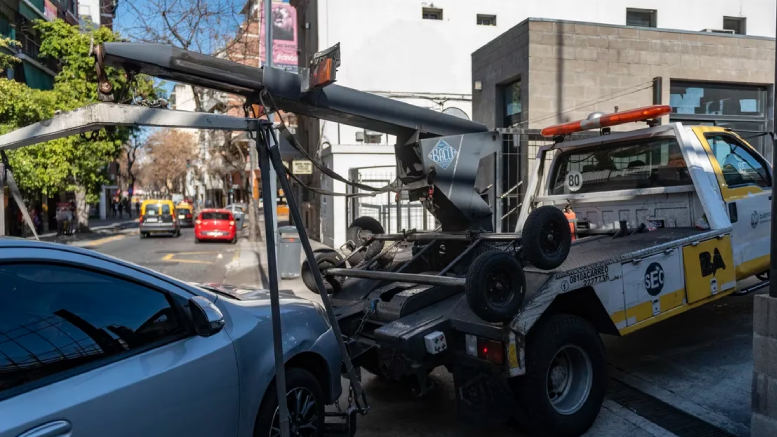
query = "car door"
x=90 y=347
x=745 y=181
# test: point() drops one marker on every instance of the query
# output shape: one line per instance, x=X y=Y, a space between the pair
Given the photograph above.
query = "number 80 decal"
x=574 y=180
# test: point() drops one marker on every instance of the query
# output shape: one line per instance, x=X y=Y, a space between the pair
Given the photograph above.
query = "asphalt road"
x=699 y=362
x=179 y=257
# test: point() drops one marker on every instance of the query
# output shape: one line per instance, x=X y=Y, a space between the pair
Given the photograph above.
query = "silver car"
x=94 y=346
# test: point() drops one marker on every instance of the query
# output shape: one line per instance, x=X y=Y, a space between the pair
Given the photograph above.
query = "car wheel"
x=324 y=260
x=546 y=237
x=360 y=231
x=177 y=232
x=305 y=400
x=234 y=240
x=495 y=286
x=142 y=235
x=566 y=377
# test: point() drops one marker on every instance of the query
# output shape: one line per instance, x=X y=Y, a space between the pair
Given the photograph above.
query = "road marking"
x=170 y=257
x=98 y=242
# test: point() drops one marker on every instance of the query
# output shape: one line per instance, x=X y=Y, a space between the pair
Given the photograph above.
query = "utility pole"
x=271 y=240
x=773 y=238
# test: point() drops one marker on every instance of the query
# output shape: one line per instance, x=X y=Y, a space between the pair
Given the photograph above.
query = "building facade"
x=16 y=22
x=97 y=13
x=422 y=52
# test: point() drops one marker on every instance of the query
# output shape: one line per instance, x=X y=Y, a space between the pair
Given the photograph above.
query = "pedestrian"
x=137 y=208
x=60 y=217
x=120 y=208
x=115 y=208
x=72 y=217
x=128 y=207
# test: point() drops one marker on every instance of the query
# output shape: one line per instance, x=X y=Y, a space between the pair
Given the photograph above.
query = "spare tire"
x=546 y=237
x=360 y=231
x=495 y=286
x=324 y=260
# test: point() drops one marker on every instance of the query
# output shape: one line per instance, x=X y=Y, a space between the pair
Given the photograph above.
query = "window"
x=738 y=165
x=486 y=20
x=431 y=14
x=641 y=17
x=215 y=216
x=511 y=97
x=742 y=108
x=737 y=24
x=157 y=209
x=644 y=164
x=55 y=318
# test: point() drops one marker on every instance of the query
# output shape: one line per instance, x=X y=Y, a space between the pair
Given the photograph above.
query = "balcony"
x=31 y=48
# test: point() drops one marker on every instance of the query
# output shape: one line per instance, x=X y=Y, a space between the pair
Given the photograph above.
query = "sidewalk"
x=249 y=266
x=97 y=227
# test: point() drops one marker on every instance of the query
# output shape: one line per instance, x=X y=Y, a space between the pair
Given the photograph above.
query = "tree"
x=168 y=153
x=76 y=163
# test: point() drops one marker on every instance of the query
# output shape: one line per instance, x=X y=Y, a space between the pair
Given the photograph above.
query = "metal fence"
x=395 y=214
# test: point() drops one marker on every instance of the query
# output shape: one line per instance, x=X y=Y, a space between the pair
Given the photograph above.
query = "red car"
x=215 y=224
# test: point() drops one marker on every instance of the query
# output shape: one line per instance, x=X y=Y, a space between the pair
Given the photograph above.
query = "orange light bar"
x=321 y=74
x=633 y=115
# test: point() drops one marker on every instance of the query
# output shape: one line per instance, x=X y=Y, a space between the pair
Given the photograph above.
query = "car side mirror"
x=208 y=319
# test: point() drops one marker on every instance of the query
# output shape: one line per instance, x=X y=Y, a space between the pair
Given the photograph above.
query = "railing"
x=40 y=4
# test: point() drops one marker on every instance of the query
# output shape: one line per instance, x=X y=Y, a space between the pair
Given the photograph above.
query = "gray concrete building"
x=544 y=72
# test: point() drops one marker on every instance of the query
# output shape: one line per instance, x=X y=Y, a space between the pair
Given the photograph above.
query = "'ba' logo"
x=754 y=219
x=443 y=154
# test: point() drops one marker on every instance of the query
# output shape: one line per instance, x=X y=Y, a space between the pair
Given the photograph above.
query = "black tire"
x=177 y=233
x=495 y=286
x=142 y=235
x=565 y=335
x=359 y=232
x=324 y=260
x=197 y=240
x=546 y=237
x=233 y=240
x=296 y=380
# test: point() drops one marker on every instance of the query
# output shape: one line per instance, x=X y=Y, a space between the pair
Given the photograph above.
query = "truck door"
x=651 y=286
x=745 y=183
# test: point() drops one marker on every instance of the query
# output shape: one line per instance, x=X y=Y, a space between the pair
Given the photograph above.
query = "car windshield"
x=636 y=164
x=157 y=209
x=216 y=216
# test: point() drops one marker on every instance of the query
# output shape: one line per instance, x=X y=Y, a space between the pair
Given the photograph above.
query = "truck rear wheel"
x=324 y=260
x=495 y=286
x=360 y=231
x=566 y=377
x=546 y=237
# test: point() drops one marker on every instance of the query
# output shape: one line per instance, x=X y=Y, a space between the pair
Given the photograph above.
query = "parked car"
x=185 y=212
x=239 y=211
x=158 y=216
x=95 y=346
x=215 y=224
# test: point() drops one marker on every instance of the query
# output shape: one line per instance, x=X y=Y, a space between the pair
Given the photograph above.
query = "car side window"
x=738 y=165
x=55 y=318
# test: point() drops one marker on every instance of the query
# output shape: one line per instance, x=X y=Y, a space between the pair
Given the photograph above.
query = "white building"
x=421 y=51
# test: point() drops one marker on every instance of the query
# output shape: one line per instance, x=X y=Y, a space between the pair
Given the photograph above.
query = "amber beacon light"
x=616 y=118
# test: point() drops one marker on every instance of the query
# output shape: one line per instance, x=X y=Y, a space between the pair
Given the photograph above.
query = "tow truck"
x=617 y=231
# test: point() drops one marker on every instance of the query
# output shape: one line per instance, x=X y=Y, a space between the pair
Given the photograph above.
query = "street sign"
x=235 y=186
x=302 y=167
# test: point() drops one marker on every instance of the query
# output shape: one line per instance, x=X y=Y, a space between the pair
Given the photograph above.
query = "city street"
x=694 y=366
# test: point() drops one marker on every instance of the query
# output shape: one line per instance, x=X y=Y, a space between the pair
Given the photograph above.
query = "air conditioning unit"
x=729 y=31
x=360 y=136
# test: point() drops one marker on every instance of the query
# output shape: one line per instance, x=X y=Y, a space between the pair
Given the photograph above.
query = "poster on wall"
x=284 y=29
x=50 y=11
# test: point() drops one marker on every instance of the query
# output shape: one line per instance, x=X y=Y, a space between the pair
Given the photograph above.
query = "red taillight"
x=491 y=350
x=141 y=218
x=231 y=223
x=640 y=114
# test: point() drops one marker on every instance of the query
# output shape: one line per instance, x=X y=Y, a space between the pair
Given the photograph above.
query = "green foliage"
x=7 y=60
x=77 y=161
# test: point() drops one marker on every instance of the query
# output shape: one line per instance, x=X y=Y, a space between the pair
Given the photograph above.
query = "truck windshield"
x=642 y=164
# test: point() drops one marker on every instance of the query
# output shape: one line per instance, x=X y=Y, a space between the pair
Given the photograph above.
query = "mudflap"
x=482 y=395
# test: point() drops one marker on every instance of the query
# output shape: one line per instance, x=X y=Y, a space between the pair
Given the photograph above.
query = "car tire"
x=359 y=232
x=177 y=233
x=324 y=260
x=197 y=240
x=495 y=286
x=142 y=235
x=297 y=381
x=233 y=240
x=546 y=238
x=563 y=402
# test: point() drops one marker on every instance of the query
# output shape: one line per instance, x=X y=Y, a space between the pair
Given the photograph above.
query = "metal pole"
x=773 y=238
x=2 y=198
x=311 y=259
x=262 y=142
x=271 y=176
